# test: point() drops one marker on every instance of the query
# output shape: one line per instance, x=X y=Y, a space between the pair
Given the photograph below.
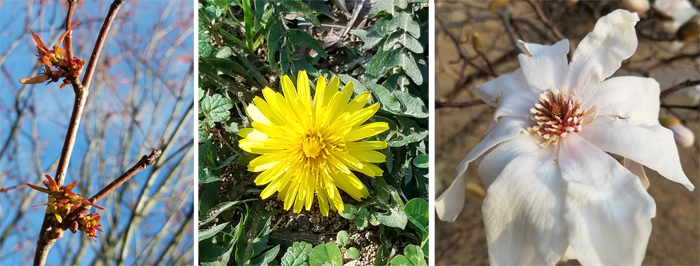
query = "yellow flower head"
x=311 y=146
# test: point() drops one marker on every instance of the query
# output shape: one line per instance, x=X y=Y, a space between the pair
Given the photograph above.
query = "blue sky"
x=161 y=82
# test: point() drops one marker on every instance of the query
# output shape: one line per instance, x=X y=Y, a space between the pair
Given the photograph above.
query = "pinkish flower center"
x=557 y=114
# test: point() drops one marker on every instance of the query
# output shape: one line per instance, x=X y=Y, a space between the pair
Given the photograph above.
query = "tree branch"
x=685 y=84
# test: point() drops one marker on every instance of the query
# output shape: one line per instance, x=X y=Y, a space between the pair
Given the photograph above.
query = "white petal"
x=635 y=98
x=491 y=92
x=607 y=210
x=516 y=104
x=652 y=146
x=496 y=160
x=601 y=52
x=546 y=66
x=449 y=205
x=638 y=170
x=523 y=212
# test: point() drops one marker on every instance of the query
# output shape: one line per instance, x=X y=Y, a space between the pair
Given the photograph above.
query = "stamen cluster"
x=62 y=201
x=557 y=114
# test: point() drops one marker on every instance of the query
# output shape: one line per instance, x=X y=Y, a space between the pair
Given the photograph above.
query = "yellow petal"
x=318 y=96
x=304 y=89
x=361 y=116
x=257 y=116
x=268 y=112
x=369 y=156
x=288 y=88
x=331 y=89
x=264 y=162
x=366 y=145
x=357 y=103
x=366 y=131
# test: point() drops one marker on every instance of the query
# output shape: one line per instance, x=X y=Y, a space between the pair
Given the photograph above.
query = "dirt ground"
x=675 y=237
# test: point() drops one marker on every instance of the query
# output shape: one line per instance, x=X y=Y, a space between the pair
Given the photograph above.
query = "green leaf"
x=405 y=22
x=268 y=258
x=422 y=161
x=207 y=233
x=404 y=39
x=417 y=212
x=209 y=198
x=359 y=87
x=220 y=208
x=224 y=52
x=220 y=3
x=273 y=40
x=298 y=7
x=414 y=105
x=400 y=260
x=388 y=102
x=328 y=254
x=362 y=219
x=376 y=34
x=206 y=176
x=389 y=200
x=353 y=253
x=383 y=5
x=301 y=37
x=349 y=212
x=401 y=4
x=205 y=48
x=297 y=254
x=410 y=67
x=415 y=255
x=342 y=239
x=410 y=132
x=216 y=107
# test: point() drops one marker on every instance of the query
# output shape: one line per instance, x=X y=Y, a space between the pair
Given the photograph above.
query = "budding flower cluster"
x=57 y=59
x=62 y=201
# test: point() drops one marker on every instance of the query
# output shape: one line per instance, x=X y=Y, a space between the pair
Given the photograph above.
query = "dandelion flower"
x=553 y=190
x=312 y=146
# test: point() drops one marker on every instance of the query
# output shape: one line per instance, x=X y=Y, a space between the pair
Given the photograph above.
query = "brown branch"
x=685 y=84
x=47 y=234
x=3 y=190
x=693 y=107
x=68 y=41
x=463 y=56
x=142 y=164
x=546 y=20
x=445 y=104
x=111 y=14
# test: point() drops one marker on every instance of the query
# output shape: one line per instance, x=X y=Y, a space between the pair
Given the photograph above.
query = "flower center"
x=313 y=144
x=557 y=114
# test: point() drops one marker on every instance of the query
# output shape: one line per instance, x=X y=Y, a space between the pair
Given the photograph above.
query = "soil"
x=675 y=235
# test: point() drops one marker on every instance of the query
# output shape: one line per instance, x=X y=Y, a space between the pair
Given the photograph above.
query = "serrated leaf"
x=301 y=37
x=205 y=48
x=327 y=254
x=299 y=7
x=232 y=128
x=210 y=232
x=297 y=254
x=422 y=161
x=216 y=107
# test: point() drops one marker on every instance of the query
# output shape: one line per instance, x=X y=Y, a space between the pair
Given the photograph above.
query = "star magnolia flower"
x=312 y=146
x=550 y=182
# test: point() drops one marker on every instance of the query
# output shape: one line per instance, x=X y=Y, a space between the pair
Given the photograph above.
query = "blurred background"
x=473 y=46
x=141 y=99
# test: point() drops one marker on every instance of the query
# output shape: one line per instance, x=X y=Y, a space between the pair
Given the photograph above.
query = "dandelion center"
x=313 y=144
x=557 y=114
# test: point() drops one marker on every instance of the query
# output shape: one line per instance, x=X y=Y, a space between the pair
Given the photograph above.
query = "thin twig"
x=444 y=104
x=68 y=41
x=100 y=41
x=692 y=107
x=685 y=84
x=3 y=190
